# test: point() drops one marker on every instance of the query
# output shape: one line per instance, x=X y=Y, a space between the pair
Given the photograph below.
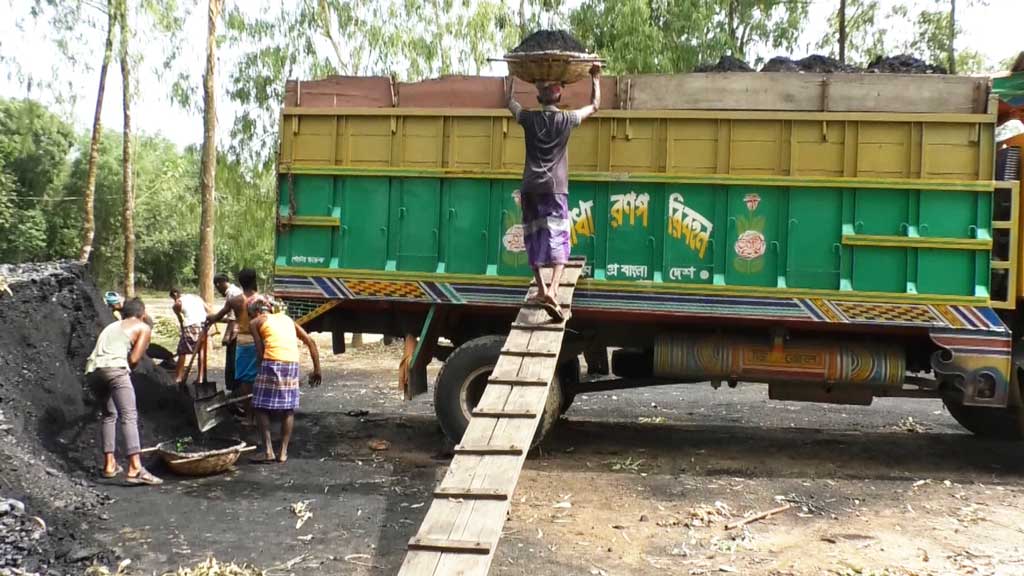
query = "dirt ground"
x=637 y=482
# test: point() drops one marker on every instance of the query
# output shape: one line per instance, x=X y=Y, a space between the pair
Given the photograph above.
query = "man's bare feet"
x=265 y=458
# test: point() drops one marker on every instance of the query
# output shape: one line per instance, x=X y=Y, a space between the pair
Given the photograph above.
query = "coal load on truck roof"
x=904 y=64
x=549 y=40
x=726 y=64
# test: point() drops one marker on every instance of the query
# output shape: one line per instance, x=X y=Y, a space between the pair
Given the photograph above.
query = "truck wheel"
x=997 y=423
x=461 y=383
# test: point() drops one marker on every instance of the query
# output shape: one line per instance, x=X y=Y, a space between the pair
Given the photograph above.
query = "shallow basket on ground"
x=550 y=66
x=203 y=463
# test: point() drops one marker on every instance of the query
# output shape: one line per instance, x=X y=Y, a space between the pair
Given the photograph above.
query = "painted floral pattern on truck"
x=750 y=243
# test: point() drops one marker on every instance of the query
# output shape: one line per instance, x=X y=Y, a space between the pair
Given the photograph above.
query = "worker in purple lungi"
x=544 y=195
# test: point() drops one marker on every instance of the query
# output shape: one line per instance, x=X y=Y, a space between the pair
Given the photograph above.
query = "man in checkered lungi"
x=276 y=389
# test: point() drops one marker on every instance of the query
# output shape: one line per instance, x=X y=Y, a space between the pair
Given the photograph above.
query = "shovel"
x=210 y=401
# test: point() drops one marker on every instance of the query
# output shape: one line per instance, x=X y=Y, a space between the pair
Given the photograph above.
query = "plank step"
x=445 y=545
x=489 y=450
x=518 y=382
x=566 y=304
x=563 y=284
x=469 y=493
x=502 y=413
x=529 y=353
x=537 y=327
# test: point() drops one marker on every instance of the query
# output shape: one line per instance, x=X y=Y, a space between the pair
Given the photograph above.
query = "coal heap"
x=550 y=40
x=48 y=423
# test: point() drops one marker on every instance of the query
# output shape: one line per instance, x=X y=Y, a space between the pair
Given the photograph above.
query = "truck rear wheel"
x=461 y=383
x=997 y=423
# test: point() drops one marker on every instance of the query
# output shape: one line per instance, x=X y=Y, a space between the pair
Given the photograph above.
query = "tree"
x=89 y=197
x=128 y=214
x=935 y=33
x=209 y=157
x=407 y=39
x=34 y=146
x=677 y=35
x=865 y=38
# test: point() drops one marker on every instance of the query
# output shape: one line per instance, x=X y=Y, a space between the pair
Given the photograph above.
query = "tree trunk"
x=129 y=184
x=88 y=214
x=522 y=20
x=952 y=36
x=842 y=31
x=731 y=23
x=209 y=159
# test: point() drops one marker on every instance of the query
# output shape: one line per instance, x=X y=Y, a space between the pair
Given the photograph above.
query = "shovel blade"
x=206 y=418
x=205 y=390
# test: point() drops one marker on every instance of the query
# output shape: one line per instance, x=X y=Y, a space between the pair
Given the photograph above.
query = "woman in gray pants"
x=119 y=348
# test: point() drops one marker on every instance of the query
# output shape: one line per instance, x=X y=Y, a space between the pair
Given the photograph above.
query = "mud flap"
x=412 y=377
x=976 y=362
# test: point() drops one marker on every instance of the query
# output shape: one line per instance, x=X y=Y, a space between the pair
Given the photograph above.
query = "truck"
x=838 y=237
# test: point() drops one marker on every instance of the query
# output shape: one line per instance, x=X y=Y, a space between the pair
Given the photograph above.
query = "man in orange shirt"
x=276 y=389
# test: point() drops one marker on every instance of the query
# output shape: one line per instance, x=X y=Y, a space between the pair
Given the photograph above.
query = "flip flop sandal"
x=117 y=472
x=262 y=459
x=554 y=311
x=144 y=478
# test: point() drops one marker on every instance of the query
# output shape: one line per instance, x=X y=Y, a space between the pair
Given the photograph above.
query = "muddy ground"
x=637 y=482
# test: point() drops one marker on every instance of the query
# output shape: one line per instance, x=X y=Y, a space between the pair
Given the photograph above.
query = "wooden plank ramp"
x=460 y=532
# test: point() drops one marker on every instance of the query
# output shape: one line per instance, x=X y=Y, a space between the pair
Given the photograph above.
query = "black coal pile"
x=549 y=40
x=725 y=64
x=780 y=64
x=904 y=64
x=48 y=423
x=815 y=63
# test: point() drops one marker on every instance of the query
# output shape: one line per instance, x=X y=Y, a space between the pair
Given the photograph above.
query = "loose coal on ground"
x=51 y=315
x=549 y=40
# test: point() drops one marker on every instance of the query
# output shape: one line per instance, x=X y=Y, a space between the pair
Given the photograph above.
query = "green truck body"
x=824 y=249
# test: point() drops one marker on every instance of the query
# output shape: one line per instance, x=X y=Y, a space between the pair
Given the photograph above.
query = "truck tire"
x=461 y=382
x=996 y=423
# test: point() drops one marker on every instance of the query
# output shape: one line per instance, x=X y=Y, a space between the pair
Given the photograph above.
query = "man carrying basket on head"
x=544 y=195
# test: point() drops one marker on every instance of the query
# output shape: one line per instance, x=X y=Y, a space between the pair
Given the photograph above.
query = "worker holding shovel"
x=276 y=389
x=119 y=348
x=544 y=195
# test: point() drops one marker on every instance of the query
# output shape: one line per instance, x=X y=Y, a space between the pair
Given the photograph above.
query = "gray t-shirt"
x=547 y=149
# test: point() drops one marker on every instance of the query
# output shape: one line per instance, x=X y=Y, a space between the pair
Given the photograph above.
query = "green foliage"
x=408 y=39
x=246 y=202
x=677 y=35
x=34 y=145
x=865 y=35
x=933 y=39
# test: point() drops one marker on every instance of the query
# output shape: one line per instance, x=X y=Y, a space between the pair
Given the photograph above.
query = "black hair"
x=220 y=278
x=247 y=279
x=174 y=293
x=133 y=308
x=258 y=306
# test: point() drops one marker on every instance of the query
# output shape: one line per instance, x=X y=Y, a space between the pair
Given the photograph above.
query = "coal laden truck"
x=839 y=237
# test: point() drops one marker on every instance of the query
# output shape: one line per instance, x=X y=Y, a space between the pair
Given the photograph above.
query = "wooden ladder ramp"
x=460 y=532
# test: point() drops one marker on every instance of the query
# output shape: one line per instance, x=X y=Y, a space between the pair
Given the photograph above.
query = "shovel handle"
x=228 y=402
